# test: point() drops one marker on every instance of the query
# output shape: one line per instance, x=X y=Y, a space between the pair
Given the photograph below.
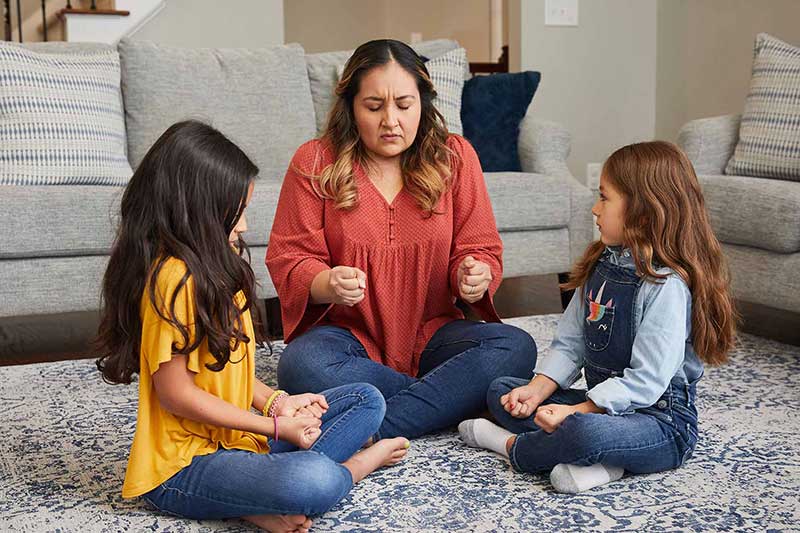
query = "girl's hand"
x=302 y=431
x=347 y=285
x=473 y=279
x=313 y=405
x=550 y=416
x=521 y=402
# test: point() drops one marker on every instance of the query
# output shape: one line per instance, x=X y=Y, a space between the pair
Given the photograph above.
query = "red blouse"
x=410 y=259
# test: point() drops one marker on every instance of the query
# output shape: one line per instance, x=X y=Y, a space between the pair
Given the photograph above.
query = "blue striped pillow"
x=769 y=137
x=447 y=75
x=61 y=118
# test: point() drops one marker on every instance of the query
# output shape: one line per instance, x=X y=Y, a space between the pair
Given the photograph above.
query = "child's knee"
x=499 y=387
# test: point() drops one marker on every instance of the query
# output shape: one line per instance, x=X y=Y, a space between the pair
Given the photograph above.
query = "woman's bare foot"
x=288 y=523
x=385 y=452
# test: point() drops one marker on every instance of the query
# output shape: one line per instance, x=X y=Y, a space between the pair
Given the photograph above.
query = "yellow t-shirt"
x=165 y=443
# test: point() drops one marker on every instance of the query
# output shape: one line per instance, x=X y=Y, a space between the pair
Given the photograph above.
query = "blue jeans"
x=649 y=440
x=458 y=364
x=235 y=483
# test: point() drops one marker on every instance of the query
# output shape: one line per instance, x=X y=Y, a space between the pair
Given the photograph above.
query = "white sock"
x=573 y=478
x=480 y=433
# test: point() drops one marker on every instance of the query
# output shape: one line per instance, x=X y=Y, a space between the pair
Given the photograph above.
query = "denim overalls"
x=653 y=439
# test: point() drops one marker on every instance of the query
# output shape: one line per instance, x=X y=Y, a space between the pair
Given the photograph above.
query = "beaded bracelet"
x=272 y=411
x=268 y=409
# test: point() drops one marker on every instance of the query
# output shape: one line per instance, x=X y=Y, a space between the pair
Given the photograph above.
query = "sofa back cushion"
x=769 y=135
x=259 y=98
x=324 y=68
x=61 y=117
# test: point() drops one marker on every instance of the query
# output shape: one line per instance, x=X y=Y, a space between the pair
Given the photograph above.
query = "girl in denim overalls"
x=651 y=304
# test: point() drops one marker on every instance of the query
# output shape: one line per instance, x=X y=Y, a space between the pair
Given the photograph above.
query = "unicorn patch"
x=596 y=309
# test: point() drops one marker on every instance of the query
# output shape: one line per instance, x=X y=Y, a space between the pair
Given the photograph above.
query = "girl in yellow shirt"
x=178 y=294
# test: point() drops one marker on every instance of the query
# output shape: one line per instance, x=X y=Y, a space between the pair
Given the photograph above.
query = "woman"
x=381 y=224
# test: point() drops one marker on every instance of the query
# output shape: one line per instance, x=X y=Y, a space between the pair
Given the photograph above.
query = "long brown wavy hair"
x=183 y=201
x=666 y=223
x=425 y=165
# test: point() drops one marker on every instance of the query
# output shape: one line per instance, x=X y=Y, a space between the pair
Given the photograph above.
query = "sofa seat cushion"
x=757 y=212
x=260 y=98
x=525 y=201
x=44 y=221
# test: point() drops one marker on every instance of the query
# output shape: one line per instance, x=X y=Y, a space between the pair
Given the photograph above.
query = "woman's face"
x=387 y=110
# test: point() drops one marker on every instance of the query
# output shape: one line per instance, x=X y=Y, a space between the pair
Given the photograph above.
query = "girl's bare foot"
x=385 y=452
x=288 y=523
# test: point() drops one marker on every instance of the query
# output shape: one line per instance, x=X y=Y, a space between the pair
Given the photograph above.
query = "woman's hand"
x=302 y=431
x=473 y=279
x=550 y=416
x=303 y=405
x=347 y=285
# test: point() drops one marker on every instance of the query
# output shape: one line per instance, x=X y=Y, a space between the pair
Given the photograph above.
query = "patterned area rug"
x=65 y=438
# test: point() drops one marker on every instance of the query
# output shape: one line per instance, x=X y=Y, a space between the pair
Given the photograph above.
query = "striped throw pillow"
x=769 y=136
x=61 y=118
x=447 y=75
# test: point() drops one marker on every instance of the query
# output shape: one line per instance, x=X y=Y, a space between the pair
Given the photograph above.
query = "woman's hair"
x=666 y=224
x=182 y=202
x=425 y=165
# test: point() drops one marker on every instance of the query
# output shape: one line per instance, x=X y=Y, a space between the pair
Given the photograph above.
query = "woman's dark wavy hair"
x=183 y=201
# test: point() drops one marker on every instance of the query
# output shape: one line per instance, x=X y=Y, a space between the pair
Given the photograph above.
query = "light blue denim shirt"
x=662 y=346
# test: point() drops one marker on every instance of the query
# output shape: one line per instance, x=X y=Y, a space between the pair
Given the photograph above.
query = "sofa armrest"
x=709 y=142
x=543 y=147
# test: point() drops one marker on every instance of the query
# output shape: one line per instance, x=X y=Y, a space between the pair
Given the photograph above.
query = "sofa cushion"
x=45 y=221
x=323 y=73
x=524 y=201
x=260 y=98
x=492 y=110
x=762 y=213
x=447 y=76
x=769 y=135
x=61 y=117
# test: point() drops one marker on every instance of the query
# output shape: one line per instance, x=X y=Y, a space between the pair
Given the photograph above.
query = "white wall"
x=705 y=54
x=322 y=26
x=598 y=78
x=212 y=23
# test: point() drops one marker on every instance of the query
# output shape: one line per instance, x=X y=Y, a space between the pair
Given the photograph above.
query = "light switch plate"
x=561 y=12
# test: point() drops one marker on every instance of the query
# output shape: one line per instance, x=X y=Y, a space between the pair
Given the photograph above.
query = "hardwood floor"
x=67 y=335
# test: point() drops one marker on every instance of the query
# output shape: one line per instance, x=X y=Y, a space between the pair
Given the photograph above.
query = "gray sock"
x=573 y=478
x=480 y=433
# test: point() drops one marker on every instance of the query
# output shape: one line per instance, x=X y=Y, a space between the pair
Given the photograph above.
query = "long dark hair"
x=666 y=222
x=425 y=164
x=182 y=202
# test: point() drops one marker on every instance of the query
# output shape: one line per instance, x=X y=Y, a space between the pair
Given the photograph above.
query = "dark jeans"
x=456 y=368
x=235 y=483
x=649 y=440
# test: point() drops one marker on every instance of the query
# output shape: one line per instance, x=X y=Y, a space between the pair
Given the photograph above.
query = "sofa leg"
x=566 y=296
x=273 y=325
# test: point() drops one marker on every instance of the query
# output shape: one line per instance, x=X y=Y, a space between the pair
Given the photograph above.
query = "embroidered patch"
x=596 y=309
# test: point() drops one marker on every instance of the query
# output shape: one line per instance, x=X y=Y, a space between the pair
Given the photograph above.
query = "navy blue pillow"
x=492 y=108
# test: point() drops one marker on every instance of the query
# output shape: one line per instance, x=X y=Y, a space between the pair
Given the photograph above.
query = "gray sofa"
x=756 y=219
x=55 y=240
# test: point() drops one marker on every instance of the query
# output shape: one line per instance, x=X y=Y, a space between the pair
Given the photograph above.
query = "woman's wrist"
x=321 y=291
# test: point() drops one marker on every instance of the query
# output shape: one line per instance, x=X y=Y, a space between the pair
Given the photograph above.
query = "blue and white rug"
x=64 y=438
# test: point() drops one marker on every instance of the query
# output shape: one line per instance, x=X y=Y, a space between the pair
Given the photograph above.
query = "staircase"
x=76 y=20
